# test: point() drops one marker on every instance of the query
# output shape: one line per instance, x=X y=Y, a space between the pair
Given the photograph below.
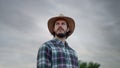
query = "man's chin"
x=61 y=35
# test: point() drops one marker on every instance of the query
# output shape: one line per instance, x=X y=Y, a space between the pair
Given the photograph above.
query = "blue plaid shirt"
x=55 y=54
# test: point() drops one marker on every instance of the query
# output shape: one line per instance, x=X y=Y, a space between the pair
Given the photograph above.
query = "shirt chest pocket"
x=58 y=52
x=58 y=55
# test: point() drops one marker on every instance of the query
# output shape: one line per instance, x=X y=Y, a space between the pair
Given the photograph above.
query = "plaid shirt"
x=54 y=54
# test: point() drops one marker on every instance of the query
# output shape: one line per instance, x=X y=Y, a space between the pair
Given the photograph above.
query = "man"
x=56 y=53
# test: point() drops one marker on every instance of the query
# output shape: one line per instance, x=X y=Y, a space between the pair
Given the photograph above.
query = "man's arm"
x=44 y=57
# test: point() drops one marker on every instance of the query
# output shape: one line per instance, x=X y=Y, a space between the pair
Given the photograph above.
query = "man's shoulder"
x=47 y=43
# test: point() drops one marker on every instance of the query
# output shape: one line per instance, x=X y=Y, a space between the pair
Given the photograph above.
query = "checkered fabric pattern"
x=55 y=54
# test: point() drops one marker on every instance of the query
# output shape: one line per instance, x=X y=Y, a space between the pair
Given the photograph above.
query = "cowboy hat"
x=69 y=21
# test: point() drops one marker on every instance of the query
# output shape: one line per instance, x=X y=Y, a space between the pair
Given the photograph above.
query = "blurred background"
x=23 y=29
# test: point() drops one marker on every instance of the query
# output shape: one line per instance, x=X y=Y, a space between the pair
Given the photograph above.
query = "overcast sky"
x=23 y=29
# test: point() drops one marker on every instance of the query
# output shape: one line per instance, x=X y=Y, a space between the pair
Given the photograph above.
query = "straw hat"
x=69 y=20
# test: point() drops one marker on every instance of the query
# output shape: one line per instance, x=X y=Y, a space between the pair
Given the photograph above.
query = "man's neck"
x=61 y=39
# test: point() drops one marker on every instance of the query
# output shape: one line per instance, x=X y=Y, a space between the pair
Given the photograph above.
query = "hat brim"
x=69 y=20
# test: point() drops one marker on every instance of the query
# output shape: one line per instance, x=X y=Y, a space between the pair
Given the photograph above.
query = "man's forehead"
x=61 y=20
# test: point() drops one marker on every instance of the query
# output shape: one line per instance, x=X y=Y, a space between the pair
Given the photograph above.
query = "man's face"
x=60 y=27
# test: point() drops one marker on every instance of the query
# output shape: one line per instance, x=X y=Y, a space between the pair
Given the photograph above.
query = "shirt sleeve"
x=44 y=57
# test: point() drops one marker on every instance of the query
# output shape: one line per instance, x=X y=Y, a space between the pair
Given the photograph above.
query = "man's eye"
x=63 y=23
x=57 y=23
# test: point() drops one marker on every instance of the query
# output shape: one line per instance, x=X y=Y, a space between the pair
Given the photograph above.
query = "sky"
x=23 y=29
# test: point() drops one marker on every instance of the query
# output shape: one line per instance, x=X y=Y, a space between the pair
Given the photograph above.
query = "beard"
x=61 y=35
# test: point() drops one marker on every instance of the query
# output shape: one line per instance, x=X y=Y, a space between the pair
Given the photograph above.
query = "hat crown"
x=61 y=15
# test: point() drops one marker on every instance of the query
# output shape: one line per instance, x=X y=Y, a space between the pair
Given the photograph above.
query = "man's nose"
x=60 y=25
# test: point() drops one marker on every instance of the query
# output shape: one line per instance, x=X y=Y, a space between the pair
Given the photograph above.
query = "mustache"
x=60 y=28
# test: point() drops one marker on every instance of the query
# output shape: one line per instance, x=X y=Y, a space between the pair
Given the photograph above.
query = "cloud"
x=23 y=28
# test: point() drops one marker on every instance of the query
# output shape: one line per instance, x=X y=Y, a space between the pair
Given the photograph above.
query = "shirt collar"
x=59 y=42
